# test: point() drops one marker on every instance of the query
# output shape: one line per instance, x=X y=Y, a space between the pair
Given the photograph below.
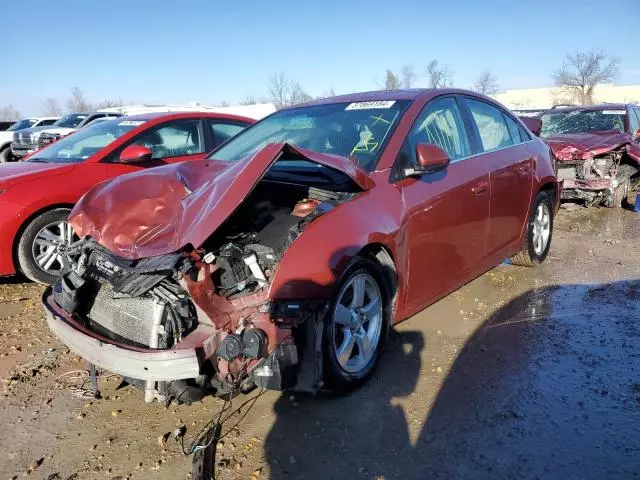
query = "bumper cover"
x=159 y=365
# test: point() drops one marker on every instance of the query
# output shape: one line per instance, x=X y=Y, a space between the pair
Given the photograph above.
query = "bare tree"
x=51 y=107
x=486 y=83
x=9 y=114
x=440 y=76
x=285 y=92
x=249 y=100
x=328 y=93
x=408 y=75
x=109 y=104
x=77 y=102
x=391 y=81
x=582 y=71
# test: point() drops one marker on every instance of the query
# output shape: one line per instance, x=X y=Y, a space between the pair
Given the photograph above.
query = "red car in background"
x=596 y=150
x=283 y=259
x=36 y=195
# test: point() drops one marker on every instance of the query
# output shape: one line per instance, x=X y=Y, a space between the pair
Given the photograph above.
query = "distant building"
x=542 y=98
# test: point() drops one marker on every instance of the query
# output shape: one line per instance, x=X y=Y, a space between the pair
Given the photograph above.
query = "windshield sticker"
x=614 y=112
x=131 y=123
x=370 y=105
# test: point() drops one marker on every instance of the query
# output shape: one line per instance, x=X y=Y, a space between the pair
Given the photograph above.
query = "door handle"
x=480 y=187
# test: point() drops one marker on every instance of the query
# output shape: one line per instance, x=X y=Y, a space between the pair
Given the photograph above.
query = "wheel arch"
x=25 y=224
x=383 y=255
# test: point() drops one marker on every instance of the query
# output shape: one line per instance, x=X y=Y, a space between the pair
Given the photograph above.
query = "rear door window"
x=514 y=131
x=223 y=131
x=491 y=125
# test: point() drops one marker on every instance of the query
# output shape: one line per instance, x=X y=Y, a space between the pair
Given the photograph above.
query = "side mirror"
x=638 y=134
x=430 y=158
x=533 y=124
x=135 y=154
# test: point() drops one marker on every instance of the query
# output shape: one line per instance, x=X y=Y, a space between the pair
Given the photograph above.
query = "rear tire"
x=5 y=155
x=353 y=342
x=39 y=262
x=539 y=232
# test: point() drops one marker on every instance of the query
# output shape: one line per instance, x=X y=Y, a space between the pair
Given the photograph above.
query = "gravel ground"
x=523 y=373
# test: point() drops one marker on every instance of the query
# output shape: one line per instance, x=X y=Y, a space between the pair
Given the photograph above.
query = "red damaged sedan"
x=596 y=149
x=37 y=195
x=283 y=260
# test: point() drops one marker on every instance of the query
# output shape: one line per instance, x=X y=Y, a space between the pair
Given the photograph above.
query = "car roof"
x=387 y=95
x=179 y=115
x=586 y=108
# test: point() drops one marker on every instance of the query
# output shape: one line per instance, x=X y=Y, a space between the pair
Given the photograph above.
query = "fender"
x=305 y=275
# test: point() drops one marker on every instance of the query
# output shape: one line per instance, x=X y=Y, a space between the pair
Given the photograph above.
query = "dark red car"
x=283 y=260
x=596 y=148
x=36 y=195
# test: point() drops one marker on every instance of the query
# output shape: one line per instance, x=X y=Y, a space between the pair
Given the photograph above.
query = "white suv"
x=6 y=136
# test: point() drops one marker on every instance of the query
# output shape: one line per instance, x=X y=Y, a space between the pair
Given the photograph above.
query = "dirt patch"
x=523 y=373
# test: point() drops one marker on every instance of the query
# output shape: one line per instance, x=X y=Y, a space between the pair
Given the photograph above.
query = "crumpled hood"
x=582 y=146
x=160 y=210
x=16 y=172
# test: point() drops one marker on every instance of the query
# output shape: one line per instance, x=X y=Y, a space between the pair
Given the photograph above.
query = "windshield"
x=19 y=125
x=577 y=121
x=70 y=121
x=80 y=145
x=358 y=129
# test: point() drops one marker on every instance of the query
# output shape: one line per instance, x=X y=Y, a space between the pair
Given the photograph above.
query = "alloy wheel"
x=51 y=245
x=541 y=228
x=357 y=323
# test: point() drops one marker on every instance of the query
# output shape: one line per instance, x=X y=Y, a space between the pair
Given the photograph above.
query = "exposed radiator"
x=135 y=320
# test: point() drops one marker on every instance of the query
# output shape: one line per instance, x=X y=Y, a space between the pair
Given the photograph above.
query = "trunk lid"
x=160 y=210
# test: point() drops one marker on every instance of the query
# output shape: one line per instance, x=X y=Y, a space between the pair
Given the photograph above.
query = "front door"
x=446 y=211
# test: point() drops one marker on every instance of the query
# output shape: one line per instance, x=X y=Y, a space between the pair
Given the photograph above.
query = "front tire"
x=42 y=247
x=356 y=327
x=539 y=232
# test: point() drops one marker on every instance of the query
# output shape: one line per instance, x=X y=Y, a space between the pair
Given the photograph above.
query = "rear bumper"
x=161 y=365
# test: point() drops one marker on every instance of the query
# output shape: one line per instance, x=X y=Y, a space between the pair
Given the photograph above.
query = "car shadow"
x=546 y=387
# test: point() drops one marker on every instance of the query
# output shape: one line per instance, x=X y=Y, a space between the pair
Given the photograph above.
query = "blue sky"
x=208 y=51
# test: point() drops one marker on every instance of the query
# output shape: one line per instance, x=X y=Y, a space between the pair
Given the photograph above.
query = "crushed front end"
x=597 y=170
x=163 y=325
x=186 y=324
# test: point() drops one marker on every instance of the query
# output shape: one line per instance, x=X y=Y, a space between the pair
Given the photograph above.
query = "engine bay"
x=247 y=248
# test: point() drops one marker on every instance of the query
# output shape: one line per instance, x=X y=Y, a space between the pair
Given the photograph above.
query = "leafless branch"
x=51 y=107
x=581 y=72
x=77 y=102
x=9 y=114
x=439 y=76
x=486 y=83
x=285 y=92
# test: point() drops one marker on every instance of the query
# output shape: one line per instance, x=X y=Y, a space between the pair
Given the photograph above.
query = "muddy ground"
x=523 y=373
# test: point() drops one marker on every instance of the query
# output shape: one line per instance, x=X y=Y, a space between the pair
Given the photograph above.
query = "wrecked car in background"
x=596 y=151
x=282 y=260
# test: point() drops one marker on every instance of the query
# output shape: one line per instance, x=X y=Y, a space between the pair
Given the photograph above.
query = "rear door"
x=221 y=130
x=446 y=211
x=510 y=159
